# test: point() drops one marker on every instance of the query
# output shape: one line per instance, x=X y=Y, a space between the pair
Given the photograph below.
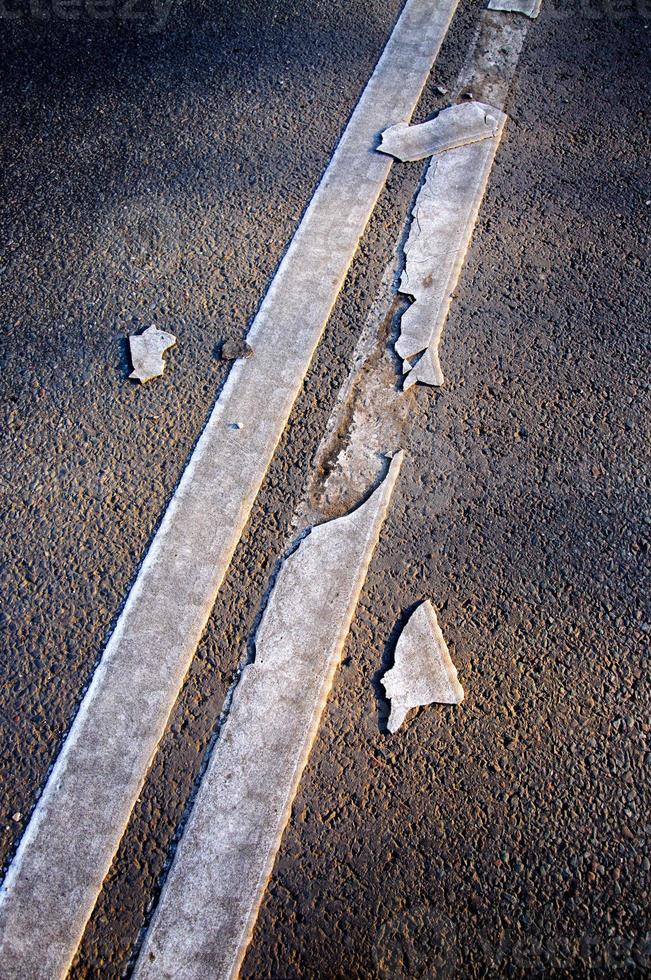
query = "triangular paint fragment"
x=423 y=671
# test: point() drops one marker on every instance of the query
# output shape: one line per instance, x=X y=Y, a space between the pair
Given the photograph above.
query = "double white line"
x=53 y=882
x=210 y=901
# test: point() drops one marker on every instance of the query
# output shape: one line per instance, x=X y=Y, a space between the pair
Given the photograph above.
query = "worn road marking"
x=444 y=218
x=190 y=952
x=210 y=902
x=370 y=414
x=493 y=58
x=448 y=205
x=52 y=885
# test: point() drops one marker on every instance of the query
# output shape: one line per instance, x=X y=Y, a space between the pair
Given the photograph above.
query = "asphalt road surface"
x=154 y=171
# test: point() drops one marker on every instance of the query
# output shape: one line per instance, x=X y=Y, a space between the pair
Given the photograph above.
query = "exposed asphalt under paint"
x=508 y=831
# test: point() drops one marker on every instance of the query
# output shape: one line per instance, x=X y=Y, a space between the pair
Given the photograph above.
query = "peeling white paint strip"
x=531 y=8
x=52 y=885
x=455 y=182
x=468 y=122
x=443 y=221
x=423 y=671
x=370 y=415
x=210 y=901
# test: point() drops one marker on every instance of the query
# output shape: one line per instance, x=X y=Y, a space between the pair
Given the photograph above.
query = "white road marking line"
x=52 y=884
x=210 y=902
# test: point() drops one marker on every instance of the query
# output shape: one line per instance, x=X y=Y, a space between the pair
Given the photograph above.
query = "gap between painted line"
x=208 y=907
x=67 y=848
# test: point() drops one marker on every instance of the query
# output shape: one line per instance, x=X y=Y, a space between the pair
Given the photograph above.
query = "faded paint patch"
x=493 y=59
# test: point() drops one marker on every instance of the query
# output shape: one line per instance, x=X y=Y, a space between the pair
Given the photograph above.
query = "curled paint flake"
x=530 y=8
x=458 y=125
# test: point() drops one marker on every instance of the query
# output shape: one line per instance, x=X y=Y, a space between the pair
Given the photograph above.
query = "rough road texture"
x=509 y=838
x=53 y=883
x=509 y=835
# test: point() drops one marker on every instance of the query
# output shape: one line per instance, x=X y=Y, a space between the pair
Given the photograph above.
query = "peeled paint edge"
x=458 y=125
x=444 y=217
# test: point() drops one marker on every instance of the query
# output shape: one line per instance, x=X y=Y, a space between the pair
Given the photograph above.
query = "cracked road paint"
x=210 y=901
x=531 y=8
x=54 y=880
x=443 y=221
x=147 y=351
x=423 y=672
x=370 y=414
x=467 y=122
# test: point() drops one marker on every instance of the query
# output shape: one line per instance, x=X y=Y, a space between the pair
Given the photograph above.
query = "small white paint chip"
x=458 y=125
x=147 y=351
x=530 y=8
x=423 y=672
